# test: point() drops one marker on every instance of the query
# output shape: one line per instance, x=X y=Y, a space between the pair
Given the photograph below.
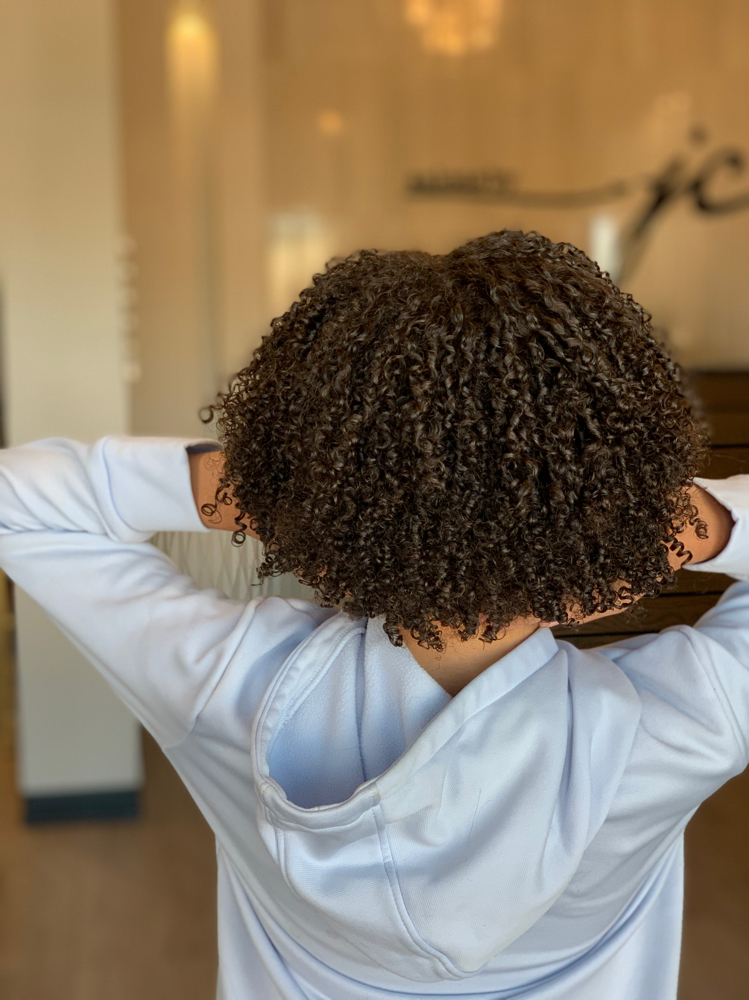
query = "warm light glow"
x=330 y=122
x=299 y=245
x=191 y=56
x=189 y=25
x=192 y=65
x=455 y=27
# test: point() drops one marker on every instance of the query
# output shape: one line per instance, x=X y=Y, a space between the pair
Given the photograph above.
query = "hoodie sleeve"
x=693 y=734
x=693 y=684
x=721 y=636
x=74 y=524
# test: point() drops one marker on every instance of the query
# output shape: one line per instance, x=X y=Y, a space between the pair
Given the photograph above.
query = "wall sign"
x=682 y=177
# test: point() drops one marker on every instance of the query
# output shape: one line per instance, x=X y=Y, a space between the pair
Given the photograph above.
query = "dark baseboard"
x=92 y=805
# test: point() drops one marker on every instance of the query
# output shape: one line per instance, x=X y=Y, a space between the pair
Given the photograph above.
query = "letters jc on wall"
x=262 y=137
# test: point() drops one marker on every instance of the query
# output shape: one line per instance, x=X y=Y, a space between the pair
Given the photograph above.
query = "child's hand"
x=205 y=473
x=719 y=525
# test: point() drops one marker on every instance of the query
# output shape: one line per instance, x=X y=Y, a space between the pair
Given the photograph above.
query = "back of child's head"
x=494 y=430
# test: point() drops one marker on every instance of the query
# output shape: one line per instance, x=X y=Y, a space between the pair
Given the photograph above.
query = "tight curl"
x=495 y=430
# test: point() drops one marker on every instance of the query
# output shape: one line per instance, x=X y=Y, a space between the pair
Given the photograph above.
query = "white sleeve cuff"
x=149 y=482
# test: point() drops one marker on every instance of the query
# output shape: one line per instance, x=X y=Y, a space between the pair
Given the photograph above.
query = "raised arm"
x=693 y=682
x=74 y=524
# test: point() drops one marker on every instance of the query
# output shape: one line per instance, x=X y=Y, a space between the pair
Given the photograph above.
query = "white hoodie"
x=375 y=837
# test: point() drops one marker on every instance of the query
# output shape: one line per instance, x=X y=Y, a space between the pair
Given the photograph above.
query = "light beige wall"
x=574 y=93
x=60 y=232
x=324 y=108
x=166 y=316
x=62 y=336
x=242 y=182
x=194 y=209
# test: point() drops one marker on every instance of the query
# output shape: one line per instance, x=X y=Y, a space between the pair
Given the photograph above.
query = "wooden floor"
x=116 y=910
x=126 y=910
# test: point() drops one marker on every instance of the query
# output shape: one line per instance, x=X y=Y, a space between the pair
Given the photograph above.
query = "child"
x=423 y=793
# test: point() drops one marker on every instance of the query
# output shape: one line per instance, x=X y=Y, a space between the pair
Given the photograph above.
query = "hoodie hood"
x=426 y=833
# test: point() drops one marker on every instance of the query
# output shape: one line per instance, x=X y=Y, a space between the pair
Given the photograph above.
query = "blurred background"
x=171 y=176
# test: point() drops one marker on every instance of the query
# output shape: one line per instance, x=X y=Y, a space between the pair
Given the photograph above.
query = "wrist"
x=206 y=468
x=719 y=521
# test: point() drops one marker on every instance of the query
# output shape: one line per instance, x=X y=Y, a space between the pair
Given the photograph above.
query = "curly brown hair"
x=497 y=430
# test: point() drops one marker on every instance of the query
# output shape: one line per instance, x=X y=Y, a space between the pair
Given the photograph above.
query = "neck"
x=461 y=662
